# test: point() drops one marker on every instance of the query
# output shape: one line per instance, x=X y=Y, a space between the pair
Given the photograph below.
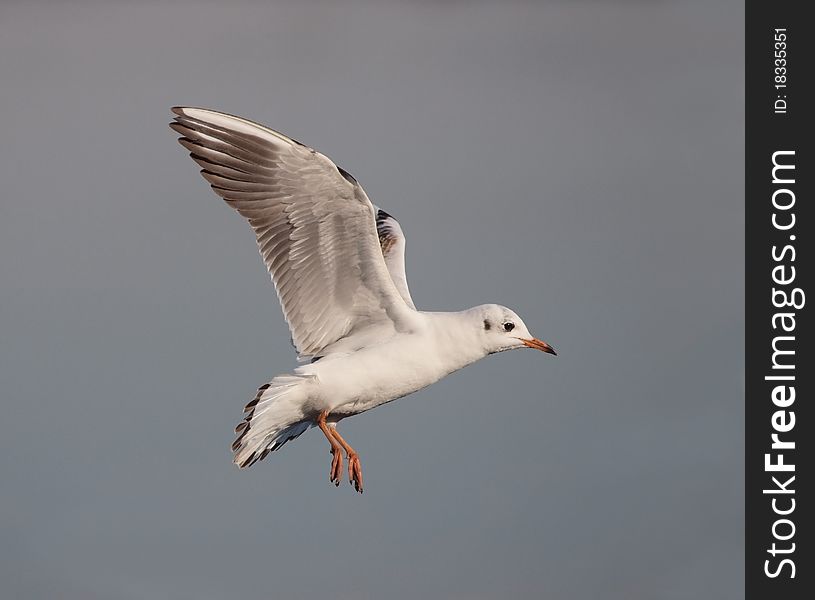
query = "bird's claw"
x=335 y=474
x=355 y=472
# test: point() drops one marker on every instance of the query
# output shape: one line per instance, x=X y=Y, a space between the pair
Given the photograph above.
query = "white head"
x=501 y=329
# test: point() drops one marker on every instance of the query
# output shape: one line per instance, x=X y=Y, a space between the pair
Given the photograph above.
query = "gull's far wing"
x=315 y=227
x=392 y=242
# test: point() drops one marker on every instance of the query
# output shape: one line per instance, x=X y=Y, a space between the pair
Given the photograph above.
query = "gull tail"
x=274 y=417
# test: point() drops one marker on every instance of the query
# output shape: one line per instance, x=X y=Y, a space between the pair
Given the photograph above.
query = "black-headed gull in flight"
x=338 y=265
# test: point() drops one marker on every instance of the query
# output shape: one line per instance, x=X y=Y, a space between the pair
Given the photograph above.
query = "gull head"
x=502 y=329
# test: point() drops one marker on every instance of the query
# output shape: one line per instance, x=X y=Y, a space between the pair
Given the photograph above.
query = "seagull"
x=338 y=265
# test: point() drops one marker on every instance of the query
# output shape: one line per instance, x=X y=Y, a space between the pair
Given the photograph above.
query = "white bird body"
x=338 y=266
x=350 y=383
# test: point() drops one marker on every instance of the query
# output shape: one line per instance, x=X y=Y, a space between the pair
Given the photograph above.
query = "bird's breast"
x=361 y=380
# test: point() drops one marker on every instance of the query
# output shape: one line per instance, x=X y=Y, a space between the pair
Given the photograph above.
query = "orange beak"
x=539 y=345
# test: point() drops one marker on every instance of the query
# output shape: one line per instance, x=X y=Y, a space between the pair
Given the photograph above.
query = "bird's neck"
x=455 y=338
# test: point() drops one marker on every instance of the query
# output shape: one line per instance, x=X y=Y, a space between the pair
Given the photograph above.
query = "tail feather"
x=274 y=417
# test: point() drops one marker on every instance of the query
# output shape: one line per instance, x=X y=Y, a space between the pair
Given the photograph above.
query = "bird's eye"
x=509 y=326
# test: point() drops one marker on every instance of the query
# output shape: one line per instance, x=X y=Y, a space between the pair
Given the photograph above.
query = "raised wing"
x=392 y=242
x=315 y=227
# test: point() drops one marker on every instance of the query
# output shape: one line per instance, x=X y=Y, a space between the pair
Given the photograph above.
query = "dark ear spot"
x=486 y=325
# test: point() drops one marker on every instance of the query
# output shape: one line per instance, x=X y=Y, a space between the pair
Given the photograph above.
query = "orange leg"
x=336 y=450
x=354 y=466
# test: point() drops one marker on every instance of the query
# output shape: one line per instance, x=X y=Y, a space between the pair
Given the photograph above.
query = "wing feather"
x=315 y=227
x=392 y=242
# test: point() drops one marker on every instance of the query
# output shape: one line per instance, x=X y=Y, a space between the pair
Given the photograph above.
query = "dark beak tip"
x=539 y=345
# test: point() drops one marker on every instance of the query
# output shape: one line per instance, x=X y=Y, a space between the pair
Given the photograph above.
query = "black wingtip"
x=348 y=177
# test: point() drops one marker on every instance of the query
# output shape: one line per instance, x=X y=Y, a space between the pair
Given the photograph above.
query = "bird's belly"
x=362 y=380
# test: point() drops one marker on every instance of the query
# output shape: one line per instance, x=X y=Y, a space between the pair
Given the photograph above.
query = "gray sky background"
x=580 y=162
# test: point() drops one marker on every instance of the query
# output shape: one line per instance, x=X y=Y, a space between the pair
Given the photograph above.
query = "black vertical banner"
x=779 y=558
